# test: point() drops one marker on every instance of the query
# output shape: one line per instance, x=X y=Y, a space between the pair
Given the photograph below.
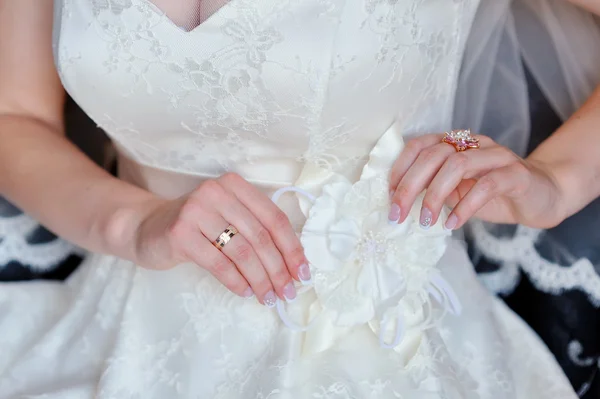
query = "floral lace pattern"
x=264 y=88
x=224 y=96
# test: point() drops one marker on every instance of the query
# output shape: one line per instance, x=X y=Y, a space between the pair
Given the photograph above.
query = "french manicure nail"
x=394 y=215
x=270 y=299
x=248 y=293
x=304 y=274
x=289 y=292
x=426 y=218
x=451 y=222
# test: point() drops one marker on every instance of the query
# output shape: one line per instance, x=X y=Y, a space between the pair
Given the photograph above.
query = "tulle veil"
x=557 y=45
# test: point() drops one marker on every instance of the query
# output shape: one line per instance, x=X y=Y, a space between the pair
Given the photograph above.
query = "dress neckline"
x=208 y=21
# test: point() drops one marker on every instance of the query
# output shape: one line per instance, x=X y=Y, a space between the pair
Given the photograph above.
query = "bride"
x=268 y=236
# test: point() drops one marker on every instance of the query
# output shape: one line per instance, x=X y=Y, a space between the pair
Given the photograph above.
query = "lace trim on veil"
x=520 y=252
x=558 y=42
x=14 y=246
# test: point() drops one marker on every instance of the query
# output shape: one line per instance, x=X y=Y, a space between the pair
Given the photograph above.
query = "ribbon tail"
x=293 y=189
x=445 y=295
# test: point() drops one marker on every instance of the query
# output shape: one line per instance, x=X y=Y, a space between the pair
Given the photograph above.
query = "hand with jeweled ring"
x=231 y=229
x=475 y=177
x=461 y=140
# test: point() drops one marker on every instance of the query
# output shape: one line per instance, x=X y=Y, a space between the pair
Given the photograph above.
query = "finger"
x=235 y=213
x=413 y=149
x=275 y=221
x=204 y=254
x=409 y=155
x=498 y=182
x=458 y=167
x=241 y=252
x=461 y=190
x=416 y=179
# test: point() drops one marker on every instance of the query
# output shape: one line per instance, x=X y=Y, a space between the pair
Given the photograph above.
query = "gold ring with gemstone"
x=225 y=237
x=461 y=140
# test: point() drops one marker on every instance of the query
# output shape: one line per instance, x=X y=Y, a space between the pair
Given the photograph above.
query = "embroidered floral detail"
x=115 y=6
x=253 y=37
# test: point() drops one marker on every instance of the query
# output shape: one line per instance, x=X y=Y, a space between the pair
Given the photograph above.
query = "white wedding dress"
x=310 y=94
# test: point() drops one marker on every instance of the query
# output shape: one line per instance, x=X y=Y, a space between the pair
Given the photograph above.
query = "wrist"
x=554 y=176
x=121 y=232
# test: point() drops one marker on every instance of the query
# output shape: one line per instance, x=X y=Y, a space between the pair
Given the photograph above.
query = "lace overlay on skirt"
x=293 y=92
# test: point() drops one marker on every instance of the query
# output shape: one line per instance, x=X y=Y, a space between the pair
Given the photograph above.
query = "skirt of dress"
x=114 y=330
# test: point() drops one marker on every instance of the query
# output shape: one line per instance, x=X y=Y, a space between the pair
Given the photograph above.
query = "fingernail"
x=451 y=222
x=270 y=299
x=426 y=218
x=248 y=293
x=289 y=292
x=394 y=215
x=304 y=274
x=392 y=193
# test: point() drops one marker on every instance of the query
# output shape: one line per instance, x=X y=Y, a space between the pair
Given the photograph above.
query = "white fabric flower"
x=361 y=265
x=366 y=270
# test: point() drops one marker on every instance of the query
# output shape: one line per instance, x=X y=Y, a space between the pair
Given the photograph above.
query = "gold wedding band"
x=225 y=237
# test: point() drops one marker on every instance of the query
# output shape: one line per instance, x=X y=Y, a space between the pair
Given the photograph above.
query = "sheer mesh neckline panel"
x=189 y=14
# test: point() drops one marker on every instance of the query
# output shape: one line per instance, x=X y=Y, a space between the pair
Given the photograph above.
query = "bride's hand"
x=491 y=183
x=262 y=258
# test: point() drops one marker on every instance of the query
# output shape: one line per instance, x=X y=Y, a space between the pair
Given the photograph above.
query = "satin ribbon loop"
x=398 y=332
x=286 y=319
x=292 y=189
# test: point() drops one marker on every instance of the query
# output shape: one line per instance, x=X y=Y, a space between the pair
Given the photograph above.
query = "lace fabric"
x=228 y=113
x=517 y=48
x=282 y=92
x=542 y=33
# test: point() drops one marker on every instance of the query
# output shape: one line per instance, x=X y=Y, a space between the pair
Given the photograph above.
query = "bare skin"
x=492 y=183
x=556 y=181
x=106 y=215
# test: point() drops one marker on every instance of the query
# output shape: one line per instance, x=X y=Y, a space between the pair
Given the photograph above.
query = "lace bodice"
x=280 y=92
x=262 y=87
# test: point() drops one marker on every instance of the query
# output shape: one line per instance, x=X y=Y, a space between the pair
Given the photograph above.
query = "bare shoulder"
x=29 y=83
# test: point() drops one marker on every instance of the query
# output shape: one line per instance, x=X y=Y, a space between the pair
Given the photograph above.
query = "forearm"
x=590 y=5
x=573 y=156
x=48 y=177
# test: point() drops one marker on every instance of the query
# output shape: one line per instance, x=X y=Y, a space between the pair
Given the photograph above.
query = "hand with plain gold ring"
x=261 y=255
